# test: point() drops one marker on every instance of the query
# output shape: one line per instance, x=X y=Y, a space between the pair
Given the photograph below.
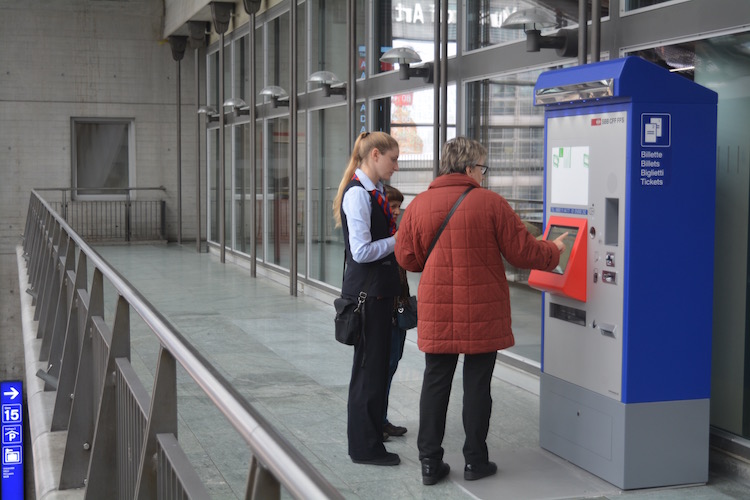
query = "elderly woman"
x=464 y=300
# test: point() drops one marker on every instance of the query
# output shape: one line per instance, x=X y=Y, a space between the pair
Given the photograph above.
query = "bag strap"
x=363 y=293
x=447 y=218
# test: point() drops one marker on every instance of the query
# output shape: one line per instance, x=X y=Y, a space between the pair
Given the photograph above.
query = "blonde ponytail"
x=365 y=143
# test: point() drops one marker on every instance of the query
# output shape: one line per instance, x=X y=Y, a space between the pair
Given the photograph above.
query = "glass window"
x=329 y=154
x=484 y=19
x=329 y=47
x=639 y=4
x=410 y=23
x=259 y=73
x=102 y=153
x=301 y=194
x=277 y=55
x=259 y=183
x=213 y=184
x=277 y=193
x=213 y=80
x=242 y=195
x=359 y=36
x=241 y=73
x=501 y=115
x=302 y=72
x=409 y=118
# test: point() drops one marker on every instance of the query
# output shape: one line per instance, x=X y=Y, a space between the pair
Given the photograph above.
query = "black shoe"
x=433 y=470
x=387 y=459
x=394 y=430
x=472 y=472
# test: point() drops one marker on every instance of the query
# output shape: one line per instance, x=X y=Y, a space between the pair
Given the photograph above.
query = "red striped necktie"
x=383 y=202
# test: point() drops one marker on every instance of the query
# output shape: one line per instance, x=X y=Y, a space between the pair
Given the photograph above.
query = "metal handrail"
x=286 y=464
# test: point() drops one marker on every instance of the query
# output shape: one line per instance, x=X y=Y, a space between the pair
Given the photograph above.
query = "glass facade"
x=489 y=97
x=328 y=153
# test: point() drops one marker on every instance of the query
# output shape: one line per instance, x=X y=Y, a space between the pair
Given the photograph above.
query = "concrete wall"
x=88 y=58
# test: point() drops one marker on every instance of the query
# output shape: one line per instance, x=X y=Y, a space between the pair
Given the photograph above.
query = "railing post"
x=70 y=356
x=261 y=484
x=162 y=419
x=103 y=464
x=67 y=292
x=127 y=216
x=81 y=424
x=47 y=322
x=51 y=275
x=163 y=220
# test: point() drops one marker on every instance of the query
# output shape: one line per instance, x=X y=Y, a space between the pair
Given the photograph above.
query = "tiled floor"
x=279 y=352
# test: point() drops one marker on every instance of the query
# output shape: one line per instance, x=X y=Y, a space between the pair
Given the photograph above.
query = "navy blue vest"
x=384 y=281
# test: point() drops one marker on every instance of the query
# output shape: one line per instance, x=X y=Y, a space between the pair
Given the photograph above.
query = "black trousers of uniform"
x=367 y=387
x=477 y=404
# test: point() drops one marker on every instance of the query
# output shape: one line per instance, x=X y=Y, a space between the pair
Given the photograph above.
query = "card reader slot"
x=566 y=313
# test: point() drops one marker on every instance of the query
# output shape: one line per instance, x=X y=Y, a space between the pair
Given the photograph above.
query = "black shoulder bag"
x=350 y=313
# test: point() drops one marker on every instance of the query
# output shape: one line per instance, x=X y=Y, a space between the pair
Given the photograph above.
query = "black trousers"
x=477 y=404
x=367 y=388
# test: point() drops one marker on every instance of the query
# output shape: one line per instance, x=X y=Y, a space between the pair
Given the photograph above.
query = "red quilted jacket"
x=464 y=302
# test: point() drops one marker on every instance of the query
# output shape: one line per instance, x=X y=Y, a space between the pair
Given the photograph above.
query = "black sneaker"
x=387 y=459
x=472 y=472
x=433 y=470
x=394 y=430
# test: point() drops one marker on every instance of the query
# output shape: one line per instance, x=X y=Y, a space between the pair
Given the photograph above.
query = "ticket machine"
x=630 y=159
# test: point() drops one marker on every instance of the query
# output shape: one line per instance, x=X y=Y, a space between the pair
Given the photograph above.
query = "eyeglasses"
x=483 y=167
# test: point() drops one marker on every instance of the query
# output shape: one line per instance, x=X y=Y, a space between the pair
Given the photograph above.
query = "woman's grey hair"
x=460 y=153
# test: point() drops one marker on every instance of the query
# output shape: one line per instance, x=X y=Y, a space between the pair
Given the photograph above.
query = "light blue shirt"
x=358 y=209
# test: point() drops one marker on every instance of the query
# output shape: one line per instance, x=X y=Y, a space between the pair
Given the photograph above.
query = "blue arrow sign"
x=11 y=437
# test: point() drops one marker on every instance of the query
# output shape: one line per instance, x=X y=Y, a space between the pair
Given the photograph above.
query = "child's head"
x=395 y=198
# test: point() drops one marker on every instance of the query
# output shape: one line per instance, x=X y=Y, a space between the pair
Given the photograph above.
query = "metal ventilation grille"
x=575 y=92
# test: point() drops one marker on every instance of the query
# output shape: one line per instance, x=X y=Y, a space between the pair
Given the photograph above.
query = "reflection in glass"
x=259 y=73
x=241 y=73
x=259 y=183
x=484 y=19
x=242 y=195
x=329 y=46
x=213 y=80
x=410 y=23
x=277 y=189
x=359 y=37
x=410 y=121
x=501 y=115
x=102 y=156
x=329 y=153
x=213 y=184
x=302 y=49
x=279 y=69
x=301 y=194
x=227 y=188
x=638 y=4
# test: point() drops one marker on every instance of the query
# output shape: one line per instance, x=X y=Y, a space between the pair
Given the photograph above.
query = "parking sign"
x=11 y=438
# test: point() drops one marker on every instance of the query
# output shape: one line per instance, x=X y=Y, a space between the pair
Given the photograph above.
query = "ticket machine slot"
x=569 y=314
x=609 y=277
x=611 y=221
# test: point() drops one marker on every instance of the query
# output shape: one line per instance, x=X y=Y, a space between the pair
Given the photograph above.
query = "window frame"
x=130 y=123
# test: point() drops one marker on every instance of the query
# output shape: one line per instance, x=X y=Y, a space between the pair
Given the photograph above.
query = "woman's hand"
x=559 y=241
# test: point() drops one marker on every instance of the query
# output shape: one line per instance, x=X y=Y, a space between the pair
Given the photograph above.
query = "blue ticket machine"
x=630 y=159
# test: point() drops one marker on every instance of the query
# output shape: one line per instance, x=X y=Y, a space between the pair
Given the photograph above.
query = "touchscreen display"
x=552 y=234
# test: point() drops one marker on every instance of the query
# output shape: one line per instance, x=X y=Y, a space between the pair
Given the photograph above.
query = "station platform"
x=279 y=352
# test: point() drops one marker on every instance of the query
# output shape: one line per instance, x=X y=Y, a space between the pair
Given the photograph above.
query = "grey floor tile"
x=278 y=352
